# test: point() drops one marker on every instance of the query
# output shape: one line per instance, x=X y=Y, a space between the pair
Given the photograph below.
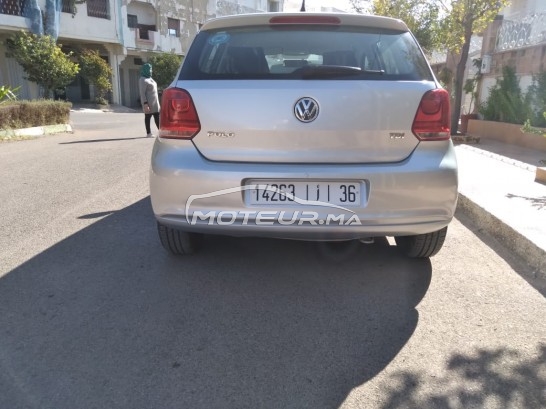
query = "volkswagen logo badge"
x=306 y=109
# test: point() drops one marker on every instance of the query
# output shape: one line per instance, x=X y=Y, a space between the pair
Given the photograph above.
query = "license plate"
x=294 y=193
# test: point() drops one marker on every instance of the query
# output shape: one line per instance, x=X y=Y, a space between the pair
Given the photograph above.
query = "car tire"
x=177 y=242
x=422 y=245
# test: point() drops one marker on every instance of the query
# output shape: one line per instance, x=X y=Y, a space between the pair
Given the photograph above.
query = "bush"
x=536 y=99
x=42 y=60
x=26 y=114
x=164 y=66
x=506 y=102
x=97 y=72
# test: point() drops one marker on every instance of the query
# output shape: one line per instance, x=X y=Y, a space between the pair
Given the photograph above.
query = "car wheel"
x=177 y=242
x=422 y=245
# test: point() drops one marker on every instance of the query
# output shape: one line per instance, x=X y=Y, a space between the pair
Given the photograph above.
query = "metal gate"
x=134 y=93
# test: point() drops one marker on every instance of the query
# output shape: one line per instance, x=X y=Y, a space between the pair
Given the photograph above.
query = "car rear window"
x=305 y=52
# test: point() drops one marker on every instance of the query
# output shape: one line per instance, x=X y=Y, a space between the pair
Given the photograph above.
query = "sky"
x=315 y=5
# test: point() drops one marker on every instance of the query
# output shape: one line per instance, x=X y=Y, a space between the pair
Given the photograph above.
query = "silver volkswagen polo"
x=305 y=126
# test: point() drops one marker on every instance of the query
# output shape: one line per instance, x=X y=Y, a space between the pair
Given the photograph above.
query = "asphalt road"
x=95 y=314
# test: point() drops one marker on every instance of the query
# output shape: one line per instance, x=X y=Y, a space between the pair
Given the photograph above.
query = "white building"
x=125 y=32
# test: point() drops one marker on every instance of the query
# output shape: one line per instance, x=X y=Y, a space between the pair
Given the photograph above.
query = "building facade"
x=516 y=38
x=126 y=33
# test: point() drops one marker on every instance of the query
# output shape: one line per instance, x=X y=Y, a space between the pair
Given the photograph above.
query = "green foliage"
x=165 y=66
x=465 y=18
x=506 y=102
x=445 y=76
x=359 y=7
x=528 y=128
x=26 y=114
x=536 y=99
x=471 y=84
x=42 y=60
x=421 y=16
x=97 y=72
x=7 y=94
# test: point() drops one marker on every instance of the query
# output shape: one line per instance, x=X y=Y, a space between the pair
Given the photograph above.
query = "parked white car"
x=306 y=126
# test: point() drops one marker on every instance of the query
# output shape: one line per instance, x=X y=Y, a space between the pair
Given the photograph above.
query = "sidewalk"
x=497 y=190
x=110 y=108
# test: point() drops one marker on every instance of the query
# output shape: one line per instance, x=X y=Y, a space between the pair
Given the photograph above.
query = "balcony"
x=91 y=22
x=146 y=36
x=528 y=31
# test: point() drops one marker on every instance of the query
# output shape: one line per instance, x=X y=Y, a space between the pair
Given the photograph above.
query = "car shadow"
x=104 y=140
x=106 y=318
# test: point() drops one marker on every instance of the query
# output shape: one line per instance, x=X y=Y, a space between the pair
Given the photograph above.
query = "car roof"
x=345 y=19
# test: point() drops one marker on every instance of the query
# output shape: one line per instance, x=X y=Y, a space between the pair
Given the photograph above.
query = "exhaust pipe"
x=367 y=240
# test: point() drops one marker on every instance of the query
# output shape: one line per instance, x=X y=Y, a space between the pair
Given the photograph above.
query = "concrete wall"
x=508 y=133
x=91 y=29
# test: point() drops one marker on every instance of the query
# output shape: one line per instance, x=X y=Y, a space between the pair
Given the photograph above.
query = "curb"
x=36 y=131
x=533 y=255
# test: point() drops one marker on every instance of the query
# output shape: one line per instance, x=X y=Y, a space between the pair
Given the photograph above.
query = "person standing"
x=148 y=97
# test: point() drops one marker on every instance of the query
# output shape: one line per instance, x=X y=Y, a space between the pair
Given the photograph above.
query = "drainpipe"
x=119 y=30
x=114 y=64
x=34 y=13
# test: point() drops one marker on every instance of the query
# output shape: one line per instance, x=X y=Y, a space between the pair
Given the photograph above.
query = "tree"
x=457 y=21
x=97 y=72
x=421 y=16
x=42 y=60
x=465 y=18
x=165 y=66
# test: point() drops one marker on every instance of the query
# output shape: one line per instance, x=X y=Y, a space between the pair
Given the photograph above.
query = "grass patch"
x=7 y=139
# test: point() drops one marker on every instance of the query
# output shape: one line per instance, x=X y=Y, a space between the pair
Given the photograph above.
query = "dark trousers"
x=147 y=118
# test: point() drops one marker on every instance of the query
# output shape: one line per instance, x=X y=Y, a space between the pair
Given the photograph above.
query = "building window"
x=98 y=8
x=132 y=21
x=174 y=27
x=143 y=32
x=273 y=6
x=68 y=7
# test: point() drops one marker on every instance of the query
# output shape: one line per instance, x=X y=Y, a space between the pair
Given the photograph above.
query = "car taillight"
x=178 y=118
x=431 y=121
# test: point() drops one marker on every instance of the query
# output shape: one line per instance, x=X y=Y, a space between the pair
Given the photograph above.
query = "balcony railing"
x=527 y=31
x=68 y=7
x=98 y=8
x=13 y=7
x=95 y=8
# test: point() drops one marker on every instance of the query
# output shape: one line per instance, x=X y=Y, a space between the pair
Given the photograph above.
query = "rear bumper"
x=416 y=196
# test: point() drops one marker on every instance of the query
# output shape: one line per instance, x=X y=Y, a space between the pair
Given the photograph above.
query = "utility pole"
x=302 y=5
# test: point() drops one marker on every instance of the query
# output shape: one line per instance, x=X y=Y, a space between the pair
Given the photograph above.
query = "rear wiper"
x=324 y=71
